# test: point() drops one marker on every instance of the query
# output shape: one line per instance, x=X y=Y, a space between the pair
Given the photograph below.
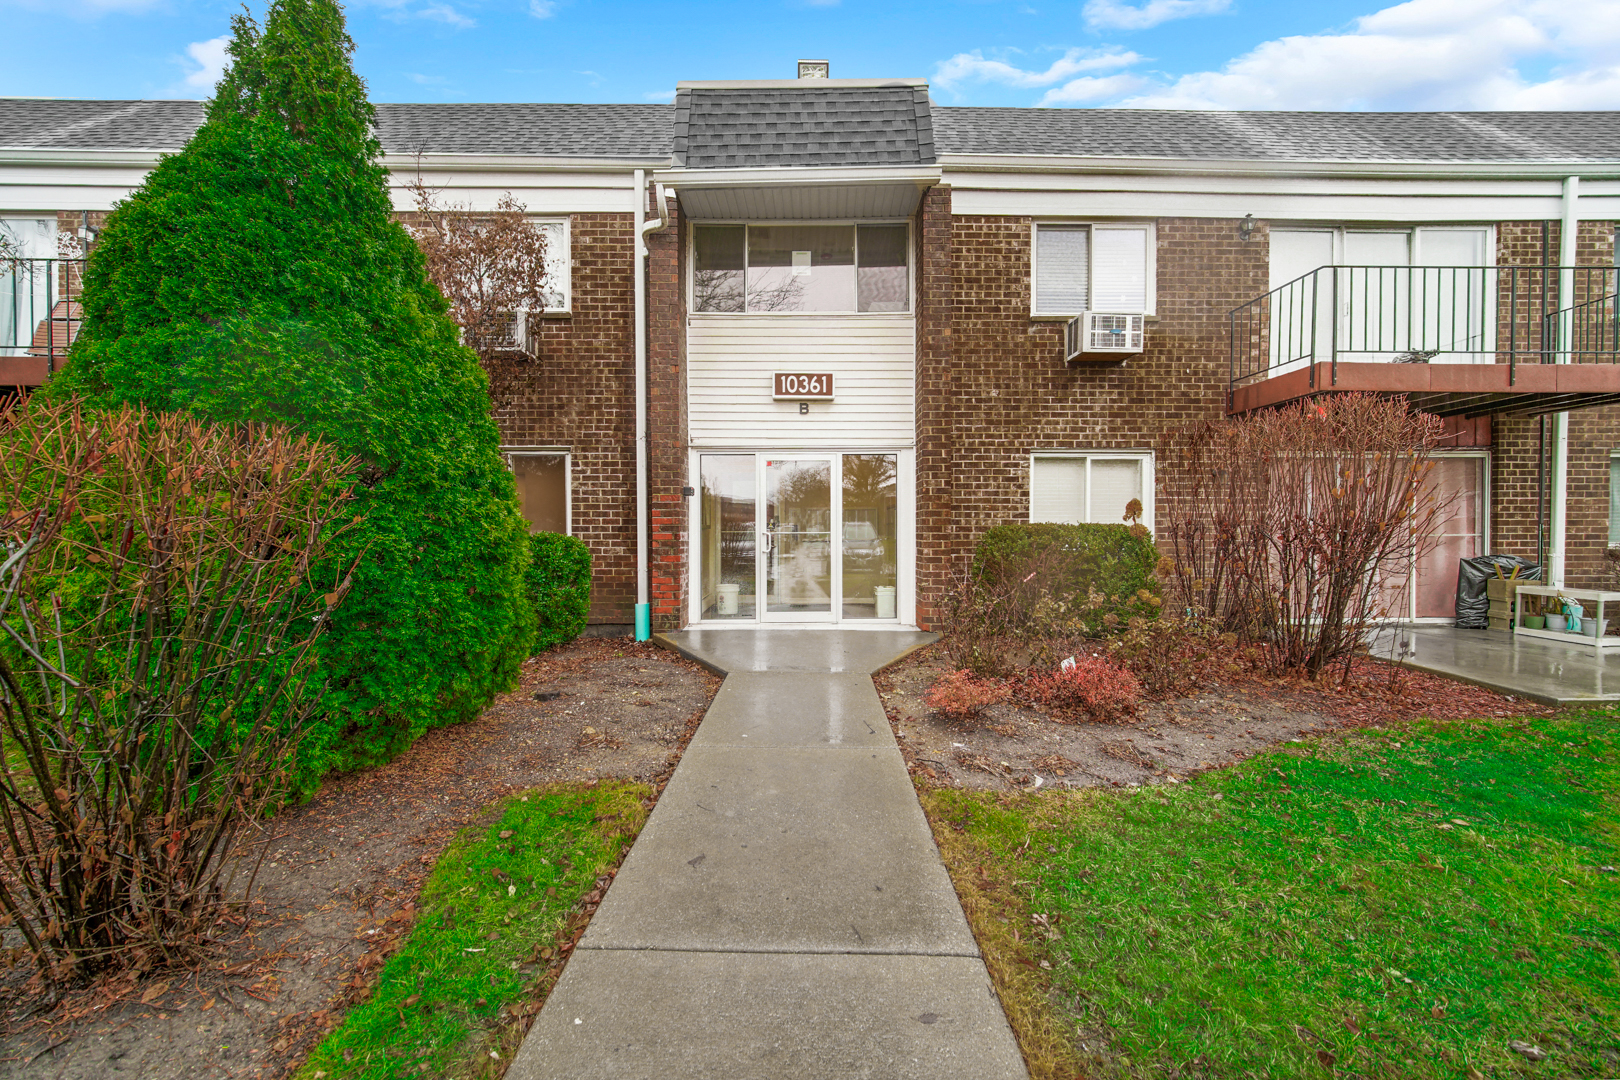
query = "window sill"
x=1147 y=315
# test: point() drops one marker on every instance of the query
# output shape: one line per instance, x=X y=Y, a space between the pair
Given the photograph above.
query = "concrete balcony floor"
x=1546 y=671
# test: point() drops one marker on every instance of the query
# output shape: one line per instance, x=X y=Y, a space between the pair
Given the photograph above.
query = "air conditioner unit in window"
x=1103 y=335
x=507 y=332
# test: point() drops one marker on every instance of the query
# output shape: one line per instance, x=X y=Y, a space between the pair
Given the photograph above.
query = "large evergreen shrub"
x=259 y=275
x=559 y=583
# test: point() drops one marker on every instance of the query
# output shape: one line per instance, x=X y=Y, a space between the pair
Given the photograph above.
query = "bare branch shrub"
x=1297 y=528
x=488 y=263
x=158 y=604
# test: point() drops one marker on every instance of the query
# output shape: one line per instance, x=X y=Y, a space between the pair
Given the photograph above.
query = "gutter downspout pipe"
x=643 y=229
x=1559 y=515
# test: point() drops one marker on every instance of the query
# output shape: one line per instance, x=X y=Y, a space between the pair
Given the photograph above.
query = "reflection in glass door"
x=807 y=538
x=797 y=537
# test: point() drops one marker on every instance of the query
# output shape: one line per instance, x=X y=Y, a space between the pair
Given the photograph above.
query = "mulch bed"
x=338 y=887
x=1013 y=747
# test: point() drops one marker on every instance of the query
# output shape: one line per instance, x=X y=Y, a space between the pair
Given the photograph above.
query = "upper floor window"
x=559 y=264
x=1093 y=268
x=801 y=268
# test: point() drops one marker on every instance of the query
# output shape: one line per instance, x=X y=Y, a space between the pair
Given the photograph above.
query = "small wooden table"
x=1592 y=600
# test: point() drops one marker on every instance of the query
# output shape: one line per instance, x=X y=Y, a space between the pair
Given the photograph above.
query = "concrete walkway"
x=784 y=912
x=1550 y=672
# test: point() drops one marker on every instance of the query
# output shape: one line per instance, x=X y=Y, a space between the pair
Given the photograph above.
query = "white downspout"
x=1558 y=515
x=643 y=229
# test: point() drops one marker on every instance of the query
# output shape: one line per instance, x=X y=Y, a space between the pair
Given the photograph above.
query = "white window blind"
x=1057 y=490
x=1119 y=268
x=1062 y=268
x=1114 y=483
x=1070 y=489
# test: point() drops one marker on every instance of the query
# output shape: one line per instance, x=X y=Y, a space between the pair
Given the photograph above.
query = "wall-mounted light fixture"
x=1246 y=228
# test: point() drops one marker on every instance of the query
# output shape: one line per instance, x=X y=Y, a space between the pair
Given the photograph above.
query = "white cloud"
x=446 y=14
x=1115 y=15
x=542 y=9
x=427 y=80
x=211 y=60
x=972 y=66
x=659 y=95
x=1423 y=54
x=1090 y=90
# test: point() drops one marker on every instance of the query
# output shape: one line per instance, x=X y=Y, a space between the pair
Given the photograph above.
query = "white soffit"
x=799 y=194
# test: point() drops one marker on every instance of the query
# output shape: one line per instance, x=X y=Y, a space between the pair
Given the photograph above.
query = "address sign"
x=803 y=387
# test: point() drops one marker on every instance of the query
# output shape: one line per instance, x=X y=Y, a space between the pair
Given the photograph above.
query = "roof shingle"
x=1281 y=136
x=803 y=125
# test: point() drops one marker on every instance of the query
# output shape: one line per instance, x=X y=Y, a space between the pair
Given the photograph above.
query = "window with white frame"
x=1614 y=498
x=1098 y=267
x=801 y=268
x=1069 y=488
x=559 y=264
x=543 y=488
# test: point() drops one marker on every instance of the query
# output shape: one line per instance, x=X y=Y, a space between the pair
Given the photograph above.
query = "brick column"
x=666 y=396
x=936 y=540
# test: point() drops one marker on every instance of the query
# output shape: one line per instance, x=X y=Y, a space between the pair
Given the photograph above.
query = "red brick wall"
x=578 y=392
x=934 y=394
x=1002 y=390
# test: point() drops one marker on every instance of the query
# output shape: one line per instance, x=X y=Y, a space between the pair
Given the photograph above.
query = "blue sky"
x=1246 y=54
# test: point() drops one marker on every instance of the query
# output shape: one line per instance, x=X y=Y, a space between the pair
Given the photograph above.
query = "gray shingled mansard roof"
x=870 y=125
x=765 y=125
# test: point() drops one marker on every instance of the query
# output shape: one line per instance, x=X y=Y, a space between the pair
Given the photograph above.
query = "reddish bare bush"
x=1094 y=687
x=961 y=695
x=1296 y=528
x=158 y=604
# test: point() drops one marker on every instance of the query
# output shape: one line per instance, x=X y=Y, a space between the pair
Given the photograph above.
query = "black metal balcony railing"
x=40 y=313
x=1414 y=314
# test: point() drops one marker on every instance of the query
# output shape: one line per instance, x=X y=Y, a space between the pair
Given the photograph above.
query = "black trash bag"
x=1473 y=606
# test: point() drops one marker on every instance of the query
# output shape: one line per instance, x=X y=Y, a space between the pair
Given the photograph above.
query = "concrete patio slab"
x=697 y=1016
x=749 y=649
x=802 y=709
x=1533 y=668
x=785 y=850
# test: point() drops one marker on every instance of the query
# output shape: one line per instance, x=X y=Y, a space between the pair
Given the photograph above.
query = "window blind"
x=1119 y=259
x=1062 y=268
x=1057 y=490
x=1114 y=483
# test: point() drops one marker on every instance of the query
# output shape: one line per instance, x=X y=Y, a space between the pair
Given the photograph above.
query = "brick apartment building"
x=856 y=311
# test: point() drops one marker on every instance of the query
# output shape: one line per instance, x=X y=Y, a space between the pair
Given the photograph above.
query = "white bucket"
x=884 y=600
x=726 y=604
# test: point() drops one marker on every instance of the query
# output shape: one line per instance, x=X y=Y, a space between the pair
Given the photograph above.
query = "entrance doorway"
x=797 y=537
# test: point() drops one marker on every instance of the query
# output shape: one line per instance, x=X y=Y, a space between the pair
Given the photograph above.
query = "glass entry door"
x=797 y=537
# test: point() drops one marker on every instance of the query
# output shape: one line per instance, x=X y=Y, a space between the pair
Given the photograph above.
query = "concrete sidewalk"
x=784 y=912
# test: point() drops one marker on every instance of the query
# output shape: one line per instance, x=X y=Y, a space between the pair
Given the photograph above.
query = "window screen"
x=880 y=276
x=1062 y=268
x=719 y=267
x=542 y=488
x=1119 y=269
x=809 y=268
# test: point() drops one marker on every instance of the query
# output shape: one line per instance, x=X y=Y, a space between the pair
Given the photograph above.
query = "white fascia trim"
x=797 y=176
x=507 y=162
x=23 y=155
x=797 y=84
x=1040 y=163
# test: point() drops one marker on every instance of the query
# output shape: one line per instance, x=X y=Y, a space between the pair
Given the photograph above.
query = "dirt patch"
x=338 y=886
x=1010 y=746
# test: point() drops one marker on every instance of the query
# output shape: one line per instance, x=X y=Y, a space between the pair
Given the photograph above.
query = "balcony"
x=40 y=316
x=1463 y=341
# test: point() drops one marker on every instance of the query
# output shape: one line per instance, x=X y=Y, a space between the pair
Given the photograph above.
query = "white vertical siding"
x=731 y=360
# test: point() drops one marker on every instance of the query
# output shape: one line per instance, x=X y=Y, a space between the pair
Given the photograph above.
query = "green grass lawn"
x=1400 y=903
x=498 y=896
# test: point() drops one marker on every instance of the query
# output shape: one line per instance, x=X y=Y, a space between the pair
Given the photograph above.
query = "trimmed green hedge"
x=559 y=585
x=1071 y=562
